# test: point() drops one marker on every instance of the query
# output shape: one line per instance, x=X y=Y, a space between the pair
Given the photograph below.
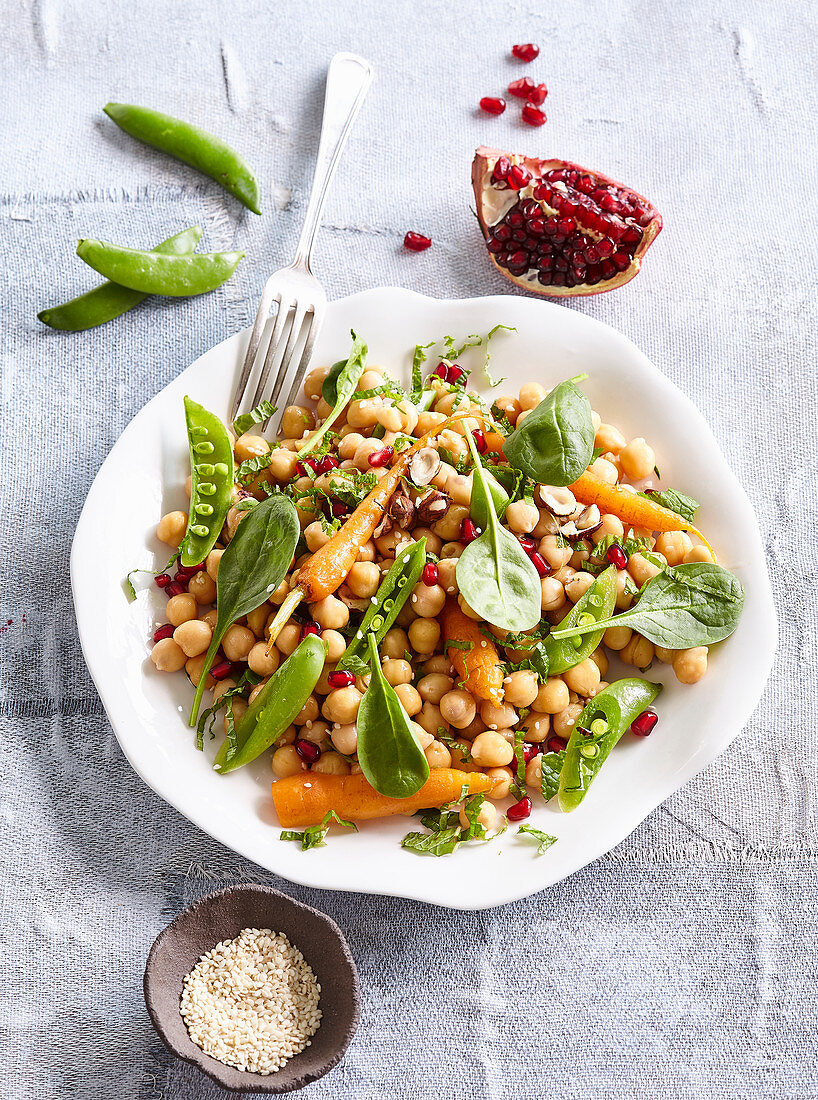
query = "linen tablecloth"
x=682 y=964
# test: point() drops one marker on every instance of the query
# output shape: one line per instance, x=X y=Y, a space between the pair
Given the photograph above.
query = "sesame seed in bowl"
x=256 y=989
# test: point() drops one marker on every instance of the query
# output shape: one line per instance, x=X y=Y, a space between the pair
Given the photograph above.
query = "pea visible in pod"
x=598 y=728
x=153 y=273
x=211 y=481
x=275 y=706
x=597 y=604
x=198 y=148
x=110 y=300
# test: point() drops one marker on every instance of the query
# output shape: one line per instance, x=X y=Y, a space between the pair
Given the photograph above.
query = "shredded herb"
x=445 y=832
x=208 y=717
x=537 y=661
x=129 y=588
x=551 y=763
x=518 y=786
x=418 y=359
x=257 y=415
x=676 y=501
x=454 y=643
x=489 y=379
x=252 y=466
x=452 y=743
x=314 y=836
x=544 y=841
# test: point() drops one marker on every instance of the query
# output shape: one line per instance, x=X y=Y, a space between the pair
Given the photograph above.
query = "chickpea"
x=578 y=585
x=531 y=394
x=431 y=718
x=556 y=553
x=410 y=699
x=212 y=563
x=193 y=637
x=257 y=619
x=171 y=528
x=314 y=381
x=665 y=655
x=315 y=536
x=424 y=635
x=202 y=587
x=467 y=610
x=168 y=655
x=282 y=465
x=690 y=664
x=221 y=686
x=286 y=762
x=509 y=407
x=458 y=708
x=641 y=569
x=522 y=517
x=397 y=671
x=673 y=545
x=552 y=594
x=617 y=637
x=438 y=755
x=434 y=686
x=537 y=726
x=330 y=763
x=453 y=442
x=697 y=553
x=287 y=737
x=237 y=642
x=637 y=459
x=395 y=644
x=428 y=421
x=500 y=717
x=449 y=524
x=446 y=575
x=552 y=696
x=600 y=659
x=345 y=738
x=296 y=421
x=194 y=667
x=363 y=579
x=502 y=779
x=427 y=600
x=486 y=817
x=564 y=721
x=625 y=589
x=444 y=472
x=250 y=446
x=261 y=662
x=546 y=524
x=342 y=705
x=611 y=525
x=451 y=550
x=533 y=772
x=491 y=750
x=439 y=663
x=181 y=609
x=477 y=725
x=349 y=444
x=211 y=618
x=638 y=652
x=390 y=545
x=609 y=438
x=330 y=613
x=605 y=470
x=363 y=412
x=583 y=678
x=521 y=688
x=288 y=638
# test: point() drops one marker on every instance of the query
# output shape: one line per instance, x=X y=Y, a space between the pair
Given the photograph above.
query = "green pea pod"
x=211 y=481
x=198 y=148
x=598 y=603
x=275 y=706
x=110 y=300
x=395 y=589
x=615 y=708
x=153 y=273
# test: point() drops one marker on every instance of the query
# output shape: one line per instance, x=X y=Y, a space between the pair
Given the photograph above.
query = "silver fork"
x=295 y=290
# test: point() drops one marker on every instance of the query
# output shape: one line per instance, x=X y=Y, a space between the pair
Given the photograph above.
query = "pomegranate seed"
x=501 y=167
x=527 y=544
x=537 y=95
x=340 y=679
x=539 y=563
x=530 y=751
x=518 y=177
x=555 y=744
x=327 y=463
x=307 y=750
x=617 y=556
x=310 y=628
x=175 y=588
x=416 y=242
x=455 y=373
x=620 y=260
x=468 y=532
x=302 y=467
x=525 y=51
x=222 y=670
x=339 y=508
x=165 y=631
x=442 y=370
x=430 y=575
x=162 y=580
x=522 y=88
x=533 y=116
x=492 y=105
x=479 y=441
x=520 y=810
x=381 y=457
x=183 y=572
x=643 y=725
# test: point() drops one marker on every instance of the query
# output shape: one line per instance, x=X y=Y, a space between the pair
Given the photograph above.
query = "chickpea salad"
x=412 y=597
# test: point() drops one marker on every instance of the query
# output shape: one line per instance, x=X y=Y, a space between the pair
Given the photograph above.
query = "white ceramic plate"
x=143 y=478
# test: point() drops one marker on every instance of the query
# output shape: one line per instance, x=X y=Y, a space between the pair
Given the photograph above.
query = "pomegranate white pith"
x=557 y=229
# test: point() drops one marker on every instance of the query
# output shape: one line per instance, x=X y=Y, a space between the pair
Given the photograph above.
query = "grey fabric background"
x=683 y=964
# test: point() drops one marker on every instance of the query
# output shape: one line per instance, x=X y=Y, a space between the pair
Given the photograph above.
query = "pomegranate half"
x=557 y=229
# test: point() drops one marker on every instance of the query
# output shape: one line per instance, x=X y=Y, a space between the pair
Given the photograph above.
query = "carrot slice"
x=304 y=799
x=478 y=667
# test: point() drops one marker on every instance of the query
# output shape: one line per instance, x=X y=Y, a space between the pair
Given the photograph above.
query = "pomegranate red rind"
x=557 y=229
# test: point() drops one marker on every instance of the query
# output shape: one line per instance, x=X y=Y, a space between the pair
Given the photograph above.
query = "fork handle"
x=348 y=81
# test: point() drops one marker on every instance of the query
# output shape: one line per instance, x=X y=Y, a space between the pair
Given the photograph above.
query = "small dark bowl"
x=223 y=915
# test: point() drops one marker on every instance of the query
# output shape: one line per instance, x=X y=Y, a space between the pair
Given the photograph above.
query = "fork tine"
x=282 y=325
x=262 y=313
x=289 y=351
x=312 y=333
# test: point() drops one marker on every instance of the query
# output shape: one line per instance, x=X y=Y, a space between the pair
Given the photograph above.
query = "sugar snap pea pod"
x=393 y=592
x=275 y=706
x=153 y=273
x=597 y=604
x=110 y=300
x=599 y=727
x=198 y=148
x=211 y=481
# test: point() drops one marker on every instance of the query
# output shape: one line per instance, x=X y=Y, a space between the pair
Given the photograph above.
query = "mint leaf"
x=314 y=835
x=544 y=841
x=257 y=415
x=673 y=499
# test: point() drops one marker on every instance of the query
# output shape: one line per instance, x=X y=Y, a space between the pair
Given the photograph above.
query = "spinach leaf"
x=389 y=755
x=257 y=415
x=329 y=387
x=314 y=836
x=682 y=607
x=344 y=384
x=253 y=565
x=494 y=573
x=676 y=501
x=554 y=444
x=487 y=495
x=544 y=841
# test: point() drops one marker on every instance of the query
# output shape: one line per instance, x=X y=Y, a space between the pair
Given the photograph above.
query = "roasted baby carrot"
x=304 y=799
x=478 y=667
x=635 y=510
